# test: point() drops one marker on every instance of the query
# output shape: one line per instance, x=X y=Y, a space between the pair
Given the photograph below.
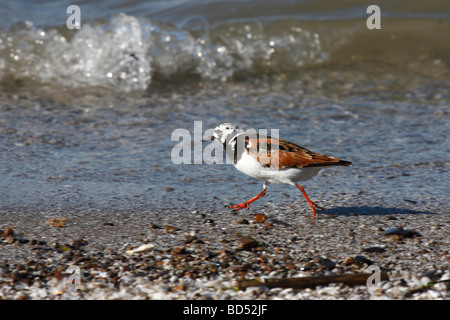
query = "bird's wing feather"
x=281 y=154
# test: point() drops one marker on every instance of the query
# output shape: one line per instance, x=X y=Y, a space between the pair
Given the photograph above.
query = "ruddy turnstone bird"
x=271 y=160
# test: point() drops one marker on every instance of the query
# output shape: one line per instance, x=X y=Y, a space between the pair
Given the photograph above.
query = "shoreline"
x=197 y=255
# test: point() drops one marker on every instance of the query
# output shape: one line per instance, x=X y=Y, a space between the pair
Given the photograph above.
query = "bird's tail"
x=343 y=163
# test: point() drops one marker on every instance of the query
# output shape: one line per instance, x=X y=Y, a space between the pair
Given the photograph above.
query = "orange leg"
x=311 y=204
x=240 y=206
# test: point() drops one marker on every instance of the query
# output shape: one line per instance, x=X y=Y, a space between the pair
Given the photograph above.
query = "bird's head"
x=224 y=132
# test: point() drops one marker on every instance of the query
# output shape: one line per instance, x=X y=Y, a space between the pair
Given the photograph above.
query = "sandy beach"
x=203 y=255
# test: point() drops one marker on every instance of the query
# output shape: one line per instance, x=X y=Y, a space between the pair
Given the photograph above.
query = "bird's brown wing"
x=281 y=154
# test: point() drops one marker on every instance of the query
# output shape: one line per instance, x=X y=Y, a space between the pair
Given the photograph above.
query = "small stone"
x=260 y=218
x=394 y=237
x=290 y=266
x=170 y=229
x=205 y=254
x=242 y=221
x=143 y=248
x=400 y=233
x=430 y=274
x=327 y=263
x=178 y=250
x=76 y=244
x=375 y=249
x=246 y=243
x=180 y=287
x=191 y=239
x=57 y=222
x=348 y=261
x=8 y=232
x=10 y=240
x=425 y=281
x=362 y=260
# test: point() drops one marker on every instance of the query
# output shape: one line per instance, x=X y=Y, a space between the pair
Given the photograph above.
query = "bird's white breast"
x=250 y=166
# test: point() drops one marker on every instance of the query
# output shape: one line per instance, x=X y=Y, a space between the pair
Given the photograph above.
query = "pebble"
x=170 y=229
x=400 y=233
x=348 y=261
x=8 y=232
x=375 y=249
x=425 y=281
x=246 y=243
x=180 y=287
x=57 y=222
x=433 y=294
x=260 y=218
x=79 y=243
x=327 y=263
x=178 y=250
x=191 y=239
x=362 y=260
x=142 y=248
x=10 y=239
x=182 y=266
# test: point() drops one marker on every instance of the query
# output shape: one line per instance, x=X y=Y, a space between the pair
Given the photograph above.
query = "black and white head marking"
x=225 y=131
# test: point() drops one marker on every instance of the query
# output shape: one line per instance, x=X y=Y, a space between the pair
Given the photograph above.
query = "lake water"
x=87 y=116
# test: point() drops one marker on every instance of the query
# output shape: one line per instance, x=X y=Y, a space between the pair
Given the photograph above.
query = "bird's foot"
x=240 y=206
x=316 y=206
x=245 y=204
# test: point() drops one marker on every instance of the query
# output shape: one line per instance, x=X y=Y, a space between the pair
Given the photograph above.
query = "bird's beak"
x=208 y=139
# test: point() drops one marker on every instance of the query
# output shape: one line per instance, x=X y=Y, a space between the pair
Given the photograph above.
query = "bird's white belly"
x=292 y=175
x=250 y=166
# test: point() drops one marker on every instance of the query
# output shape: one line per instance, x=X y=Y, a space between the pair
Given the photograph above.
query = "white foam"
x=127 y=52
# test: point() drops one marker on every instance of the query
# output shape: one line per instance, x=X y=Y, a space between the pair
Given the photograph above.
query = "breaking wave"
x=128 y=53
